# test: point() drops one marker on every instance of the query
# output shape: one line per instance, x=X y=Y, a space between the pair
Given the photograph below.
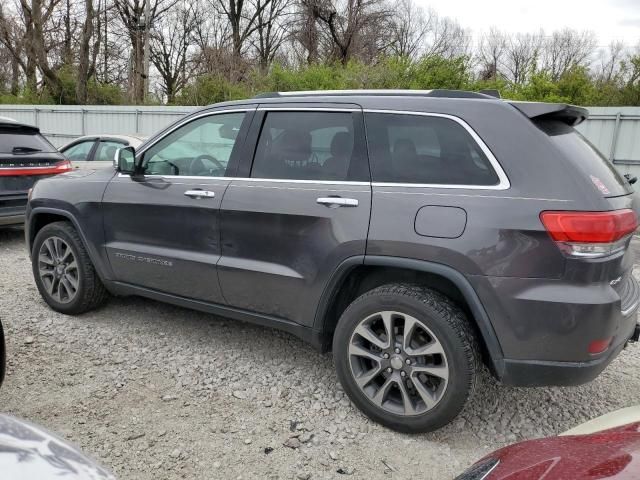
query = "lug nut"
x=408 y=361
x=389 y=369
x=403 y=373
x=397 y=350
x=386 y=355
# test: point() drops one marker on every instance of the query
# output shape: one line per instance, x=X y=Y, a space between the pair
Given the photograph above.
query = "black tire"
x=90 y=292
x=452 y=330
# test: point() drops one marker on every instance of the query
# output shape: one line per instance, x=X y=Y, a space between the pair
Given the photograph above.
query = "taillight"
x=590 y=234
x=63 y=166
x=58 y=167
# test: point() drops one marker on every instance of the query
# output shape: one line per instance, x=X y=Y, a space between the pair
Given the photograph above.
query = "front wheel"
x=63 y=272
x=407 y=357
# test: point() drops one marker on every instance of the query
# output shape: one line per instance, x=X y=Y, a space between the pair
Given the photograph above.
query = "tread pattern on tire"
x=452 y=318
x=94 y=294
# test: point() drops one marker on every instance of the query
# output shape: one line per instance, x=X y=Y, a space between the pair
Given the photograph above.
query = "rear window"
x=425 y=150
x=586 y=157
x=23 y=142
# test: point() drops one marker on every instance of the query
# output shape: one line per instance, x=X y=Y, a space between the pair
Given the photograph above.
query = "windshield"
x=586 y=157
x=23 y=142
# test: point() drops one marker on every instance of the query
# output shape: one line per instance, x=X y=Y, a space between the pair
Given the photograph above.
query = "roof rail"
x=438 y=93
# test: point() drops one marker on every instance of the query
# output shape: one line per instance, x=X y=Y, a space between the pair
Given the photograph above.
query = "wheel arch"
x=40 y=217
x=357 y=275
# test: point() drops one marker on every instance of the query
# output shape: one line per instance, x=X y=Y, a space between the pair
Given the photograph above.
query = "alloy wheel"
x=398 y=363
x=58 y=269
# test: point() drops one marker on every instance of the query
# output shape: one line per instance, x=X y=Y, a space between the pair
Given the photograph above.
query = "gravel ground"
x=159 y=392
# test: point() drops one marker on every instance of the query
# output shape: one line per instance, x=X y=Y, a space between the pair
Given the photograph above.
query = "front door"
x=162 y=227
x=301 y=210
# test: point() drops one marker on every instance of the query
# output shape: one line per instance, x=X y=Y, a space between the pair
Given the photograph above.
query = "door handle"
x=200 y=193
x=334 y=202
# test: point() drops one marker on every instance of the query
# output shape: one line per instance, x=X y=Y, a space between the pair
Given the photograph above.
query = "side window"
x=202 y=147
x=106 y=150
x=306 y=146
x=424 y=149
x=79 y=151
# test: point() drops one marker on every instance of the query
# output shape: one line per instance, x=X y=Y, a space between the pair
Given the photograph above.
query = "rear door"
x=162 y=227
x=297 y=211
x=102 y=155
x=80 y=152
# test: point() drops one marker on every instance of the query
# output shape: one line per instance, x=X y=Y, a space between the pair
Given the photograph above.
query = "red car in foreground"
x=605 y=448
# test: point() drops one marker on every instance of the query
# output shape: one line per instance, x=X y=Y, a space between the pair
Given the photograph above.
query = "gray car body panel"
x=266 y=252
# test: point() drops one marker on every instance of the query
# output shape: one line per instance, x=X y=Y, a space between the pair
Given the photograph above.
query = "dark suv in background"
x=417 y=234
x=25 y=157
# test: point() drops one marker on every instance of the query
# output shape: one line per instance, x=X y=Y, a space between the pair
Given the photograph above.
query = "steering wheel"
x=197 y=165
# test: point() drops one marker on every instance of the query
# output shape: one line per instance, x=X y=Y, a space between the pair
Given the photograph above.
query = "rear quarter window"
x=421 y=149
x=586 y=157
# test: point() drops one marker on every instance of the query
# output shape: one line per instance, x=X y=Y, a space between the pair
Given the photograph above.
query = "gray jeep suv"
x=417 y=234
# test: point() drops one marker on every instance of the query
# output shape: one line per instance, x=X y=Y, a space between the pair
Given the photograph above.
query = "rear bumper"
x=12 y=209
x=532 y=373
x=545 y=327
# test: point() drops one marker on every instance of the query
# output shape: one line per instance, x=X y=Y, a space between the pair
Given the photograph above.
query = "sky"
x=611 y=20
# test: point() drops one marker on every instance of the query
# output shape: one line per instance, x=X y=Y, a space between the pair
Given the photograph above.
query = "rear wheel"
x=407 y=357
x=63 y=272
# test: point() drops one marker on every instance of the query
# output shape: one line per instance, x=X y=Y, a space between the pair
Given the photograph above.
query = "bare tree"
x=170 y=46
x=271 y=31
x=409 y=28
x=610 y=62
x=446 y=38
x=491 y=53
x=306 y=31
x=566 y=49
x=349 y=22
x=131 y=13
x=16 y=34
x=520 y=56
x=88 y=51
x=243 y=17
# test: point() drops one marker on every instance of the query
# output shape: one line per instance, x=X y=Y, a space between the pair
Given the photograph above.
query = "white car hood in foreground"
x=618 y=418
x=28 y=452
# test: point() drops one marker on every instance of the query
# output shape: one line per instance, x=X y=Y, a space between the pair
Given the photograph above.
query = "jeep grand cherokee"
x=416 y=234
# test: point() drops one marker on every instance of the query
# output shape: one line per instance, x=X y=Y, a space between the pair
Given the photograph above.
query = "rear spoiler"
x=569 y=114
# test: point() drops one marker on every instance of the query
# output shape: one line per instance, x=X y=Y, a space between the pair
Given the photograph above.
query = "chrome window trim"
x=284 y=180
x=503 y=183
x=503 y=180
x=246 y=179
x=189 y=120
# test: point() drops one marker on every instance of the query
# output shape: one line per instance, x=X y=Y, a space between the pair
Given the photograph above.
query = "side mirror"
x=125 y=160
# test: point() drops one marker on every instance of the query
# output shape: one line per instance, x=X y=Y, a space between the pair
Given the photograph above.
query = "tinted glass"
x=106 y=150
x=79 y=151
x=586 y=157
x=305 y=146
x=423 y=149
x=20 y=141
x=200 y=148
